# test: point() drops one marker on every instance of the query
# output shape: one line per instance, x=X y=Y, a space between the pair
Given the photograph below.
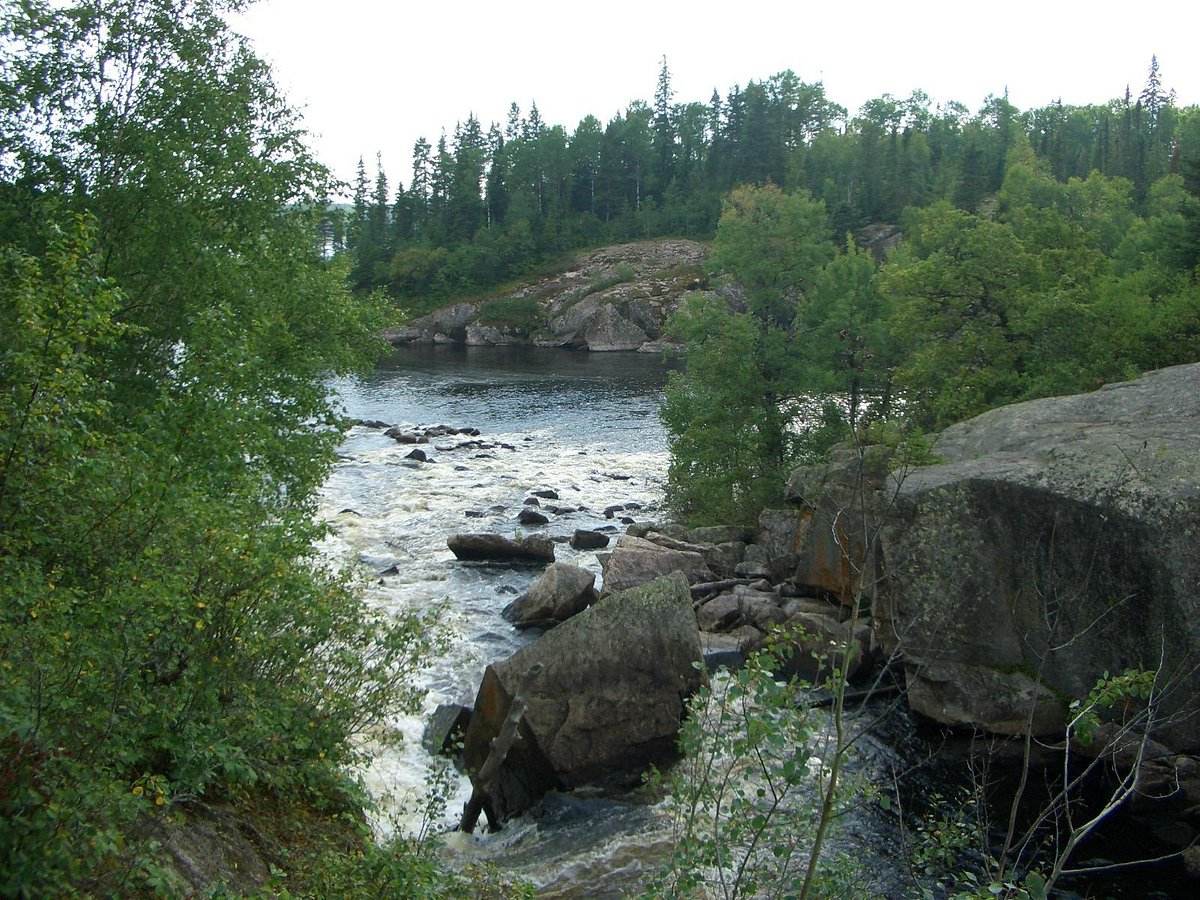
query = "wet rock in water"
x=401 y=436
x=636 y=561
x=448 y=431
x=488 y=546
x=440 y=326
x=610 y=511
x=583 y=539
x=373 y=423
x=530 y=517
x=445 y=729
x=389 y=571
x=532 y=501
x=546 y=494
x=561 y=592
x=605 y=703
x=418 y=455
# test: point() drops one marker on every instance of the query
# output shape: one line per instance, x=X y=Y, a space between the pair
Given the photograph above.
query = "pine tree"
x=664 y=132
x=358 y=220
x=464 y=207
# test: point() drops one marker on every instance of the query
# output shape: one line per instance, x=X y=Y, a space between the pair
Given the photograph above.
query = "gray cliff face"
x=616 y=298
x=1056 y=540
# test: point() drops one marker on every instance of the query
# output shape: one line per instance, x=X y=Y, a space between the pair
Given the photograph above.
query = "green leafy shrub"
x=620 y=274
x=521 y=314
x=746 y=799
x=168 y=630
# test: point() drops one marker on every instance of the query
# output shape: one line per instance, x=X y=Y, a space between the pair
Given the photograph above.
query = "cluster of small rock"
x=612 y=667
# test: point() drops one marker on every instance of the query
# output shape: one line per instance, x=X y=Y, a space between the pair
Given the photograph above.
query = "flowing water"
x=583 y=425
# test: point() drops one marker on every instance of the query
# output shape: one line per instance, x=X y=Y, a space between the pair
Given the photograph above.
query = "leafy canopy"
x=166 y=327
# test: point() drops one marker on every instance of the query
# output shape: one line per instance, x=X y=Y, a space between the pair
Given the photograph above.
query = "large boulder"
x=635 y=561
x=584 y=539
x=608 y=330
x=562 y=591
x=605 y=703
x=491 y=547
x=1055 y=540
x=441 y=326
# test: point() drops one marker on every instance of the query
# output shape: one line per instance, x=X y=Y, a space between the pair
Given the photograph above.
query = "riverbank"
x=613 y=299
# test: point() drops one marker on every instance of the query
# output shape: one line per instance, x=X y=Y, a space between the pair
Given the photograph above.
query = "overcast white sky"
x=374 y=75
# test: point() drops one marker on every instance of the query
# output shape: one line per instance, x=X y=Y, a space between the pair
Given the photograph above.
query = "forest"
x=1024 y=253
x=482 y=207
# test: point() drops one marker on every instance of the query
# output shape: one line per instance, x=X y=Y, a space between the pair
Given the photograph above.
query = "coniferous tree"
x=664 y=132
x=464 y=207
x=421 y=188
x=663 y=168
x=358 y=213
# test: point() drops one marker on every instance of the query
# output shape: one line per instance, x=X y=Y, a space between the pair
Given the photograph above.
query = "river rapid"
x=583 y=425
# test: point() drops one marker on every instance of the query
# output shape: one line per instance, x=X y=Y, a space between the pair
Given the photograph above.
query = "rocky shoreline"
x=613 y=299
x=1046 y=544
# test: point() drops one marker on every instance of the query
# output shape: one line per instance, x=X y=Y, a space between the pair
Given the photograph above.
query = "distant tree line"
x=484 y=206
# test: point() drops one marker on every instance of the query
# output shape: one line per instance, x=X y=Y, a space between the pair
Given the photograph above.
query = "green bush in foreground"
x=747 y=799
x=167 y=629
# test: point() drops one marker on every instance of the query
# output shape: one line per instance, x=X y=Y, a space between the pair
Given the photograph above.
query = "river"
x=584 y=425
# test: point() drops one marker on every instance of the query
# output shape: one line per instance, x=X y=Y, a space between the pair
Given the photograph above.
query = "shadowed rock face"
x=606 y=702
x=1057 y=539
